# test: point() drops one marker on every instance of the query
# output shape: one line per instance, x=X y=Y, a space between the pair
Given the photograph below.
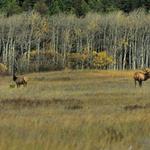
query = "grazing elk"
x=20 y=80
x=141 y=76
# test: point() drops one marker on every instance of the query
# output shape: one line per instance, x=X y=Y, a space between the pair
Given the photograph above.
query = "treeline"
x=36 y=36
x=78 y=7
x=112 y=41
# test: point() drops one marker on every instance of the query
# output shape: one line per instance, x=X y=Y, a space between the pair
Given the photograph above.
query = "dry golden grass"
x=75 y=110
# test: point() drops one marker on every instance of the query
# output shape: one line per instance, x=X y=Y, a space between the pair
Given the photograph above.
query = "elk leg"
x=140 y=83
x=18 y=85
x=135 y=82
x=25 y=84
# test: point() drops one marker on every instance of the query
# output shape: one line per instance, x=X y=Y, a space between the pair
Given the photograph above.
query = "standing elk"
x=141 y=76
x=20 y=80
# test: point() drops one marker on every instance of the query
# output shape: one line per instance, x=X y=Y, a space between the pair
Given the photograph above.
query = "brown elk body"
x=20 y=80
x=141 y=76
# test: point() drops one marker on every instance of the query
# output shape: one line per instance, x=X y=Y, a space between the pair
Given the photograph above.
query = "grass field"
x=75 y=110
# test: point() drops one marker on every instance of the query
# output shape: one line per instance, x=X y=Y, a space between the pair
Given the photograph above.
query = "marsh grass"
x=75 y=110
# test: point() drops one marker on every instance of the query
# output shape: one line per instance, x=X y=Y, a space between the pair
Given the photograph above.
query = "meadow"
x=75 y=110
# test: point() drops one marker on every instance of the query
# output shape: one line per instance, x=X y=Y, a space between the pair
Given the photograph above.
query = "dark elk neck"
x=14 y=77
x=146 y=77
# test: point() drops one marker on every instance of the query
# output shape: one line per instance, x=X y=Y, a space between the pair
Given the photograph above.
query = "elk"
x=19 y=80
x=141 y=76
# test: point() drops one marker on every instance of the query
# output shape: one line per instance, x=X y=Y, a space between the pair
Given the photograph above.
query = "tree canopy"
x=78 y=7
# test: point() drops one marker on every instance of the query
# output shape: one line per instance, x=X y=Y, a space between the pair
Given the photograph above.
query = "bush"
x=45 y=61
x=78 y=60
x=101 y=60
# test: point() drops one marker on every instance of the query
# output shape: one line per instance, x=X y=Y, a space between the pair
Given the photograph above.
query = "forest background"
x=42 y=35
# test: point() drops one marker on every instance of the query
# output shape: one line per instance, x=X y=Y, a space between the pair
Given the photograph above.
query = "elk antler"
x=145 y=70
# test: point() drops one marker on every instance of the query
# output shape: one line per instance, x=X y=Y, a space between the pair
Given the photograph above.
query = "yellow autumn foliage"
x=101 y=59
x=3 y=68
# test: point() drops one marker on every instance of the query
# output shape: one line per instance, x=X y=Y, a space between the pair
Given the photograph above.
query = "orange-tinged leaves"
x=101 y=59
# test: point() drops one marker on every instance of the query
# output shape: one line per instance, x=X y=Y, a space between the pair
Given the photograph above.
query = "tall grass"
x=75 y=110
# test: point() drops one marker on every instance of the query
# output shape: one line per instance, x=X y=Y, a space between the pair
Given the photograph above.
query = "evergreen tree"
x=81 y=8
x=28 y=4
x=130 y=5
x=41 y=7
x=105 y=6
x=68 y=6
x=55 y=7
x=10 y=7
